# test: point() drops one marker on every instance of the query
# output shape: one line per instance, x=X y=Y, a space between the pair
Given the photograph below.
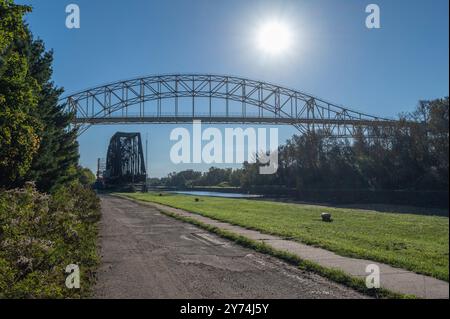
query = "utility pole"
x=146 y=161
x=98 y=169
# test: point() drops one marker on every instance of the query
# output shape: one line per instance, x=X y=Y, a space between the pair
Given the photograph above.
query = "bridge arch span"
x=214 y=99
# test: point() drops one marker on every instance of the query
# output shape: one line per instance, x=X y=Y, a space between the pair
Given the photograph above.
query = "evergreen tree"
x=19 y=130
x=35 y=142
x=57 y=157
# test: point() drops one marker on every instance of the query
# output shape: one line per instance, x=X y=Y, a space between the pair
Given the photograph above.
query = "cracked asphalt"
x=146 y=254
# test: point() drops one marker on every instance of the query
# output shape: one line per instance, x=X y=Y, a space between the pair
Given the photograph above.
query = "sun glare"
x=274 y=38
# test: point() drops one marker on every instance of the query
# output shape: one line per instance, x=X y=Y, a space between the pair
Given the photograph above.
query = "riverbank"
x=428 y=202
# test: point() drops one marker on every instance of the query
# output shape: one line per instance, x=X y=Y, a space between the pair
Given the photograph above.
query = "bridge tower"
x=125 y=165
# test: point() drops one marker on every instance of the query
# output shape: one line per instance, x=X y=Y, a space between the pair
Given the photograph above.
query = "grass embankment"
x=414 y=242
x=40 y=235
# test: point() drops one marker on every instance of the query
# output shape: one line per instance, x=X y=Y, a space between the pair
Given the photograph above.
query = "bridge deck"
x=231 y=120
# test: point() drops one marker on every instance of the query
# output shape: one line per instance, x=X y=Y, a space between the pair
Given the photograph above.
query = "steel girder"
x=108 y=104
x=125 y=159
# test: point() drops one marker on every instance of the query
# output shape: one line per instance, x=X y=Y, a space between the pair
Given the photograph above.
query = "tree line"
x=35 y=142
x=413 y=155
x=48 y=215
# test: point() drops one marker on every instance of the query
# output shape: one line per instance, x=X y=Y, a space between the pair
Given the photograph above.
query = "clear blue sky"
x=382 y=72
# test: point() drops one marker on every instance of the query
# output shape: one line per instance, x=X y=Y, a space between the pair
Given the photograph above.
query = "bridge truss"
x=125 y=160
x=182 y=98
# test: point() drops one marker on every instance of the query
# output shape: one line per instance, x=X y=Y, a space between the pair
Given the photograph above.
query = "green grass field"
x=414 y=242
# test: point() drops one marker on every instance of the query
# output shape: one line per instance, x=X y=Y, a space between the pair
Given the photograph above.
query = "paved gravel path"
x=148 y=255
x=395 y=279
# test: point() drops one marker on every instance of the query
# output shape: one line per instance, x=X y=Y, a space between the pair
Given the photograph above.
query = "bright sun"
x=274 y=38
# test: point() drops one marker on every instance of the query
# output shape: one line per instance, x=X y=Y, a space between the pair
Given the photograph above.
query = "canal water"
x=217 y=194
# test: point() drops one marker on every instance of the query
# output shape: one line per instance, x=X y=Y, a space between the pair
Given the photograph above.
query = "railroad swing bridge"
x=125 y=160
x=183 y=98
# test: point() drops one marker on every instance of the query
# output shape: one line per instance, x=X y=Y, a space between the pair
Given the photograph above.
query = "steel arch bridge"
x=182 y=98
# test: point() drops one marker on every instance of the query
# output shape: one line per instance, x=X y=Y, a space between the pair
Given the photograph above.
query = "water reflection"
x=217 y=194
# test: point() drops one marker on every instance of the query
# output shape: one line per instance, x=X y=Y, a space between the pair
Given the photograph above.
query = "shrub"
x=40 y=235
